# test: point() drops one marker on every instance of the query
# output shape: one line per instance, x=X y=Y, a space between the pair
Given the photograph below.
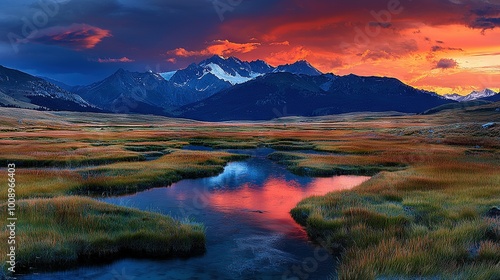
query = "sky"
x=446 y=46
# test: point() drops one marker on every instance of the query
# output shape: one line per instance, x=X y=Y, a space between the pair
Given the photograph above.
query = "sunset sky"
x=440 y=45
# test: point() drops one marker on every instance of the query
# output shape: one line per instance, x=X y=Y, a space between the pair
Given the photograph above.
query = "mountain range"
x=280 y=94
x=133 y=92
x=219 y=88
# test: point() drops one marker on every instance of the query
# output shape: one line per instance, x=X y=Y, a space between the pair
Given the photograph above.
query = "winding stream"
x=250 y=233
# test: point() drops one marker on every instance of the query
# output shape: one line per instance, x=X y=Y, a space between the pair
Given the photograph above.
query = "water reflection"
x=274 y=198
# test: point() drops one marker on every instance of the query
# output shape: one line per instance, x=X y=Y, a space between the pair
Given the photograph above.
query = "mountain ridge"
x=22 y=90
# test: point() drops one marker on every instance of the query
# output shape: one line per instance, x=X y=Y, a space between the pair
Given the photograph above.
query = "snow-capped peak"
x=217 y=72
x=471 y=96
x=299 y=67
x=479 y=94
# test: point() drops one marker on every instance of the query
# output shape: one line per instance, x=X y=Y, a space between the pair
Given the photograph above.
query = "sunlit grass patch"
x=127 y=177
x=224 y=142
x=45 y=153
x=32 y=183
x=120 y=178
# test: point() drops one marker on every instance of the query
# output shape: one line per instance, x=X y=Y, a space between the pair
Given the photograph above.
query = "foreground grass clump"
x=61 y=232
x=429 y=220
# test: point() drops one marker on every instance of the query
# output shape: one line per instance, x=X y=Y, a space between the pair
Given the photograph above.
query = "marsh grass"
x=49 y=153
x=334 y=164
x=62 y=232
x=122 y=177
x=225 y=143
x=428 y=220
x=129 y=177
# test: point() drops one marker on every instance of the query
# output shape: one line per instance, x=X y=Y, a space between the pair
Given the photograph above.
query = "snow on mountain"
x=233 y=79
x=479 y=94
x=233 y=70
x=454 y=96
x=168 y=75
x=218 y=73
x=471 y=96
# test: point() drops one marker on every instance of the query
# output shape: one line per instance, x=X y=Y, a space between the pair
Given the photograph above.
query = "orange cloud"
x=171 y=60
x=114 y=60
x=288 y=56
x=284 y=43
x=217 y=47
x=75 y=36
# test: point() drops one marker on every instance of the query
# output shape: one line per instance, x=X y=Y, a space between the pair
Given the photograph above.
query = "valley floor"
x=428 y=211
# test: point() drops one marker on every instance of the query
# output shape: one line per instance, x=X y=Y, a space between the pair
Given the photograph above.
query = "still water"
x=250 y=233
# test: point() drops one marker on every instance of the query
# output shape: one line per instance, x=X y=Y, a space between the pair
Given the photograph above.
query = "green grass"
x=62 y=232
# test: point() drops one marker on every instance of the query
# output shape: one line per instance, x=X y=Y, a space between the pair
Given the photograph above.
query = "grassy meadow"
x=423 y=213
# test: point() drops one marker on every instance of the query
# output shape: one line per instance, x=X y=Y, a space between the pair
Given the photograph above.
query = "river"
x=250 y=233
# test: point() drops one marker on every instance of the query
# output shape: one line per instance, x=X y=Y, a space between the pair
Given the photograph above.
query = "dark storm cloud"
x=485 y=23
x=440 y=48
x=446 y=63
x=486 y=16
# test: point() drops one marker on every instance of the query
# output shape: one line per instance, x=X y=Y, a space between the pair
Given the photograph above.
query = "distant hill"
x=493 y=98
x=128 y=92
x=21 y=90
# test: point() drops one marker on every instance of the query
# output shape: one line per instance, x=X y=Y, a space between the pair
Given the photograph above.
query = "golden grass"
x=45 y=152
